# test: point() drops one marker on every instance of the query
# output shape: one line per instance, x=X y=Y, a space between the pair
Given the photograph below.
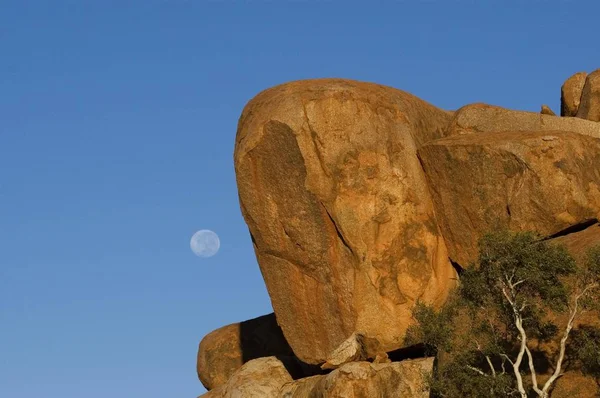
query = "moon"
x=205 y=243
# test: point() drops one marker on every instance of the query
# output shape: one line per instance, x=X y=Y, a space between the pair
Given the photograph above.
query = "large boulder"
x=262 y=377
x=225 y=350
x=570 y=94
x=545 y=181
x=339 y=210
x=406 y=379
x=483 y=118
x=589 y=107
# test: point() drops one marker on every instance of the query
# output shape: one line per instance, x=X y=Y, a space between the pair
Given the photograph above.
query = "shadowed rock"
x=578 y=243
x=589 y=108
x=570 y=94
x=225 y=350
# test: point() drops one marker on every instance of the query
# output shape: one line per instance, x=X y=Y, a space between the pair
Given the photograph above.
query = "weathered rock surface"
x=544 y=181
x=482 y=118
x=589 y=108
x=356 y=348
x=226 y=349
x=578 y=243
x=547 y=111
x=263 y=377
x=339 y=210
x=404 y=379
x=570 y=94
x=350 y=350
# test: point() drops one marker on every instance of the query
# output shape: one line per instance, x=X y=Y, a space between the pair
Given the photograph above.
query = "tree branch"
x=489 y=361
x=519 y=324
x=533 y=373
x=563 y=340
x=507 y=358
x=477 y=370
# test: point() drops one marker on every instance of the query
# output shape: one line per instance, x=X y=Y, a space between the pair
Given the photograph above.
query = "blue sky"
x=117 y=126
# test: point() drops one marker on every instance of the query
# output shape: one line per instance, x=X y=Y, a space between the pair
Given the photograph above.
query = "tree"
x=501 y=312
x=585 y=344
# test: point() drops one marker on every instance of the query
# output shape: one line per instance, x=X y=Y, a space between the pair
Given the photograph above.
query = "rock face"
x=261 y=377
x=589 y=107
x=570 y=94
x=226 y=349
x=404 y=379
x=579 y=242
x=544 y=181
x=339 y=209
x=268 y=378
x=361 y=198
x=482 y=118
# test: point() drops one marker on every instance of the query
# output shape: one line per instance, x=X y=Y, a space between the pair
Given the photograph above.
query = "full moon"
x=205 y=243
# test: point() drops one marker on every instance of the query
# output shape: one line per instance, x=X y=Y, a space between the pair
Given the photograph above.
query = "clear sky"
x=117 y=126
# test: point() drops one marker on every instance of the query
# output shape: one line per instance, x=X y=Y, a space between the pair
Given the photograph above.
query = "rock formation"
x=366 y=380
x=543 y=181
x=268 y=378
x=226 y=349
x=339 y=209
x=482 y=118
x=571 y=94
x=589 y=107
x=262 y=377
x=361 y=200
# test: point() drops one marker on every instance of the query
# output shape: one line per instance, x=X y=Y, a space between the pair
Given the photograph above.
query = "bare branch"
x=563 y=340
x=507 y=358
x=489 y=361
x=523 y=337
x=477 y=370
x=518 y=283
x=507 y=297
x=517 y=363
x=533 y=373
x=523 y=306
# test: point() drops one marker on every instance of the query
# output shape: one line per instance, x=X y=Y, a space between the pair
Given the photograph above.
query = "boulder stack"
x=362 y=200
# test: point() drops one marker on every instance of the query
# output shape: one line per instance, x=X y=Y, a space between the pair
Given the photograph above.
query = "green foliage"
x=590 y=274
x=518 y=280
x=457 y=380
x=523 y=257
x=434 y=329
x=585 y=346
x=585 y=343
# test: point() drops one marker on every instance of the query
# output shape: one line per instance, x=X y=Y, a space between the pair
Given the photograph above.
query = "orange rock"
x=579 y=242
x=225 y=350
x=339 y=209
x=544 y=181
x=483 y=118
x=262 y=377
x=547 y=111
x=366 y=380
x=570 y=94
x=590 y=98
